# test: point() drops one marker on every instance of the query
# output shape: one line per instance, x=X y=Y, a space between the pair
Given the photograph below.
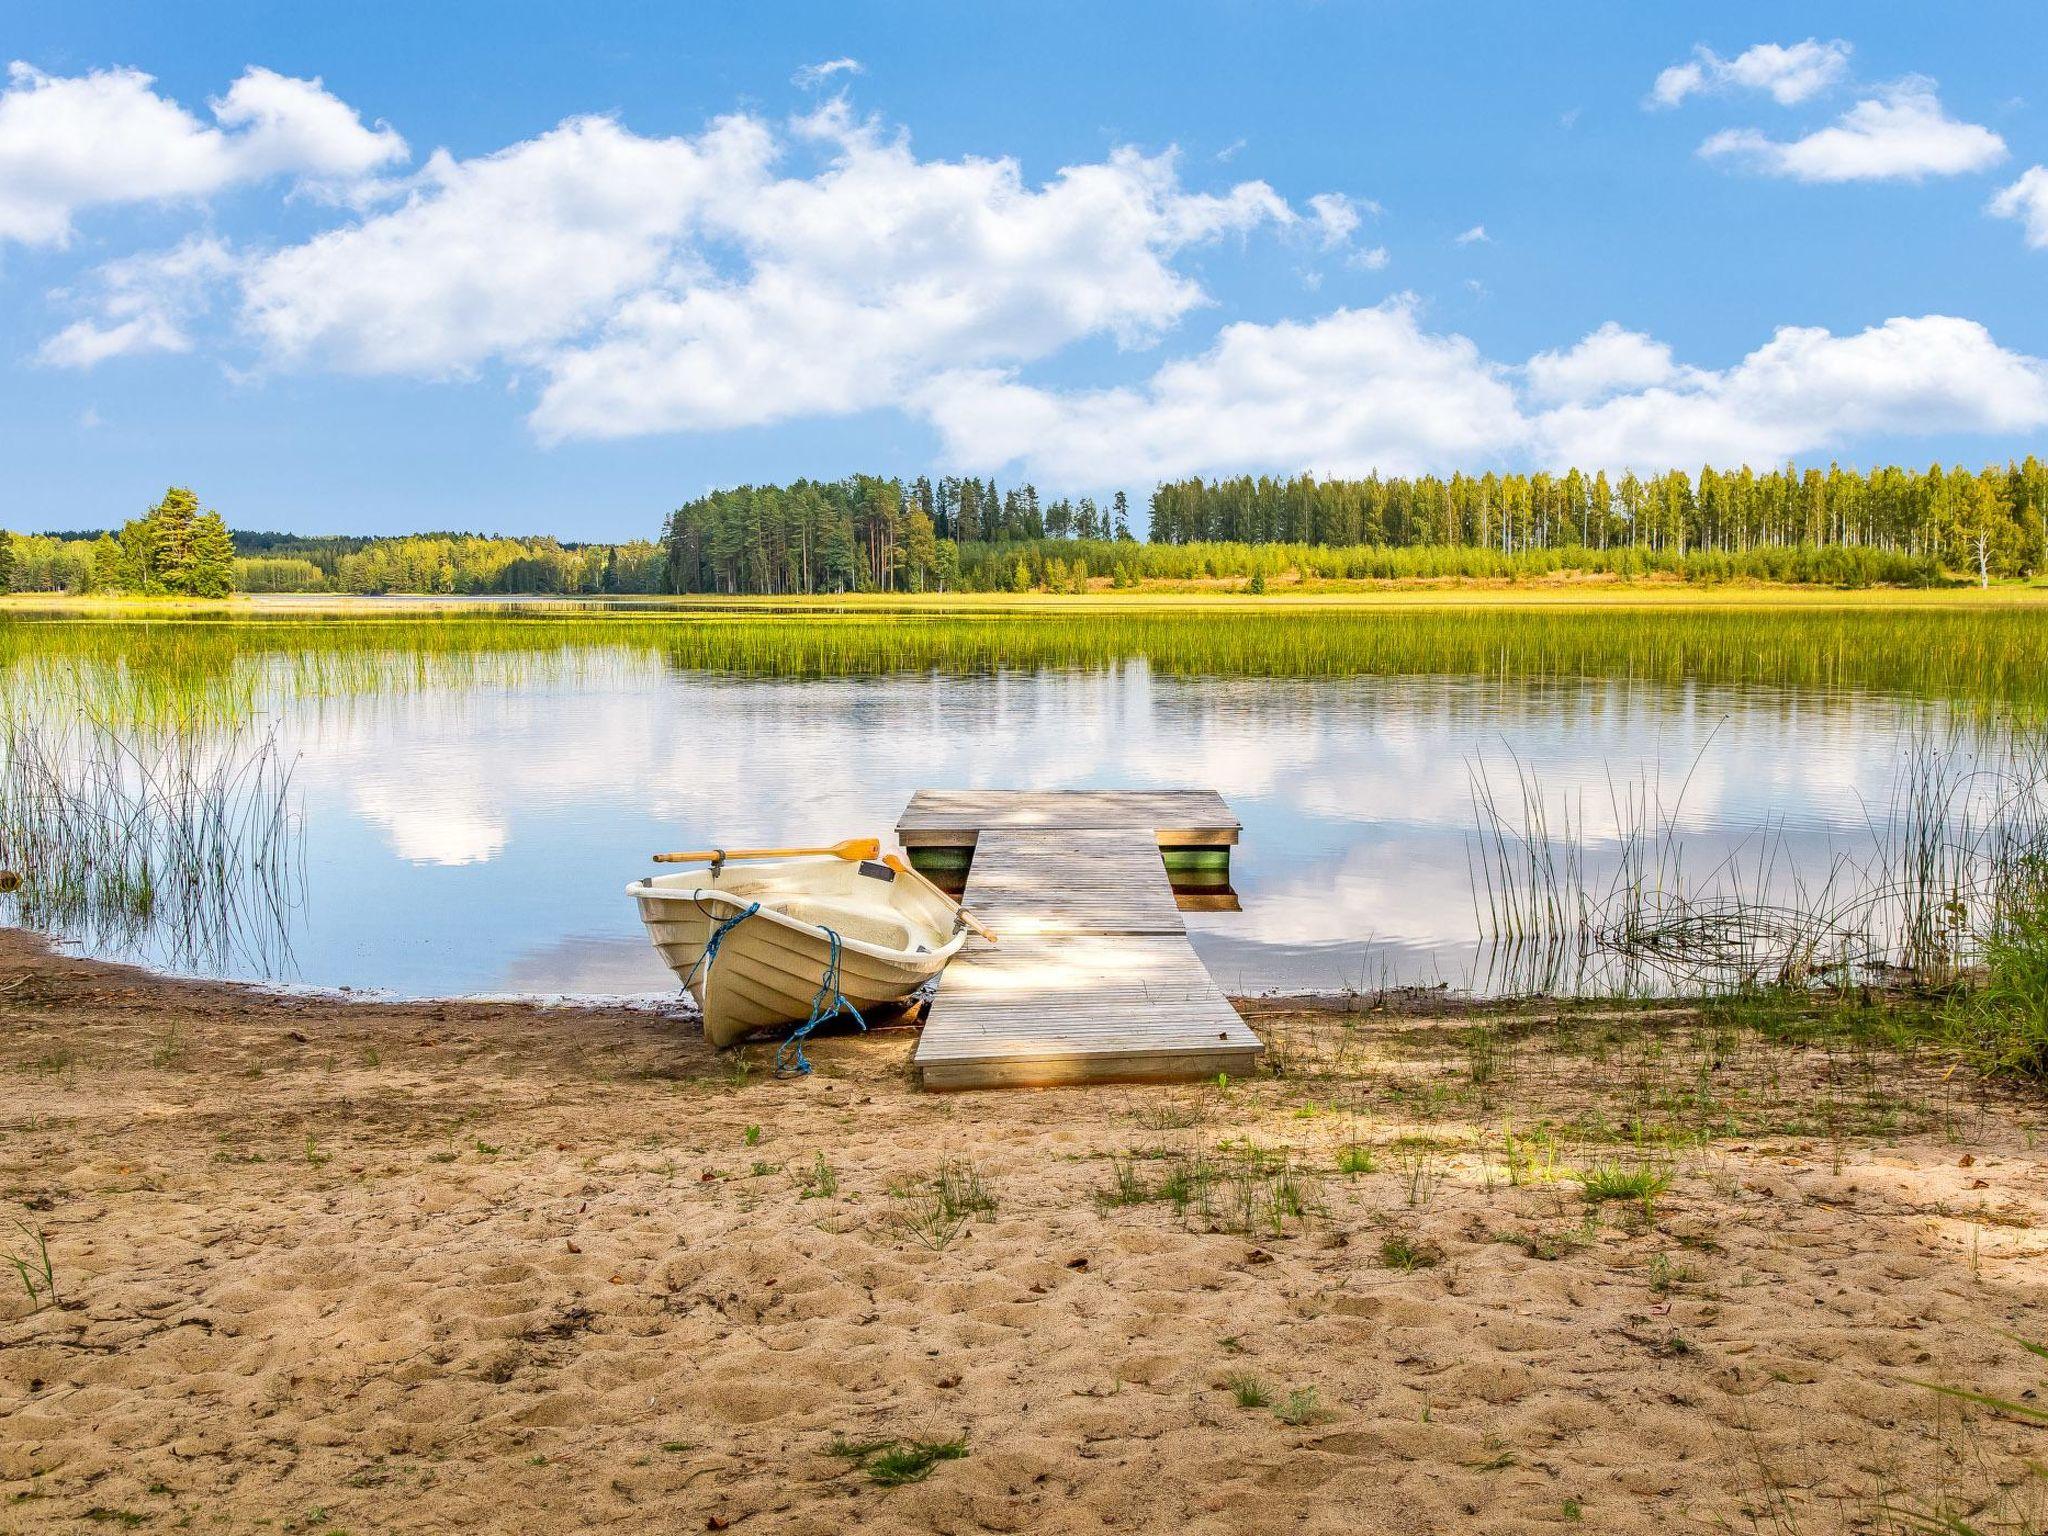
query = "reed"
x=209 y=670
x=118 y=834
x=1949 y=877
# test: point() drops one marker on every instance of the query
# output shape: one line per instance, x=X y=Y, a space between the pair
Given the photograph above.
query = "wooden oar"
x=965 y=916
x=852 y=850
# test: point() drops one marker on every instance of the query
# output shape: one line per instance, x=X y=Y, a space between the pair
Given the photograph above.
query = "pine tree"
x=212 y=568
x=1120 y=513
x=6 y=560
x=172 y=523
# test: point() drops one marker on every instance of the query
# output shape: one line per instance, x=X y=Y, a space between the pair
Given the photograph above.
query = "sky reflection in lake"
x=478 y=838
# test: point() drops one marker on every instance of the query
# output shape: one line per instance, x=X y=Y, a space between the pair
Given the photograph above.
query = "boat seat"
x=863 y=924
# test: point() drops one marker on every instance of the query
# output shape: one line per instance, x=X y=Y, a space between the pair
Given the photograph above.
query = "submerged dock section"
x=1093 y=978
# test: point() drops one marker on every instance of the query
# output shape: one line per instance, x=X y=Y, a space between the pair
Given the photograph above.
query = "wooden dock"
x=1094 y=978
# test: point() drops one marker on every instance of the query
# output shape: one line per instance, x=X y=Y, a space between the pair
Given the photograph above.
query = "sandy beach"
x=331 y=1266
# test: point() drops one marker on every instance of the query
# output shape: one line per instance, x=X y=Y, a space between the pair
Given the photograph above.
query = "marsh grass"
x=1950 y=864
x=892 y=1463
x=118 y=834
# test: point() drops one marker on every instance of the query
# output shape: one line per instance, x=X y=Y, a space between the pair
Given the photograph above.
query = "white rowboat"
x=895 y=933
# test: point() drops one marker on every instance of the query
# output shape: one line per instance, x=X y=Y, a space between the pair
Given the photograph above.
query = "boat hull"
x=770 y=965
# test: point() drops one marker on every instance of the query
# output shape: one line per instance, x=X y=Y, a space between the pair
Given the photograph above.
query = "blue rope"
x=830 y=1002
x=717 y=937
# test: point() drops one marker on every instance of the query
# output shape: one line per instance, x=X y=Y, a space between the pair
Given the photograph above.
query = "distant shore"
x=1564 y=592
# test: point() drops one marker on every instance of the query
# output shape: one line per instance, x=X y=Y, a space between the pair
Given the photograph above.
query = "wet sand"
x=332 y=1266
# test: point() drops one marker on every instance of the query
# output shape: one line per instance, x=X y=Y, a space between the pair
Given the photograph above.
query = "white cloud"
x=863 y=279
x=1606 y=362
x=1358 y=390
x=1806 y=389
x=1476 y=235
x=817 y=74
x=144 y=304
x=1790 y=72
x=2027 y=201
x=72 y=143
x=1901 y=134
x=1364 y=390
x=499 y=255
x=1373 y=258
x=1337 y=217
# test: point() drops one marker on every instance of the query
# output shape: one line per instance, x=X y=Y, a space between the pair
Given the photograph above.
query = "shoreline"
x=475 y=1265
x=1601 y=592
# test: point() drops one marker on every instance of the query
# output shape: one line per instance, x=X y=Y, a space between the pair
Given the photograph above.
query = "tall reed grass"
x=1948 y=888
x=117 y=835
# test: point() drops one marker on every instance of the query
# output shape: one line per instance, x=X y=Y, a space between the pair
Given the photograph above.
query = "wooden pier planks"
x=1176 y=817
x=1094 y=978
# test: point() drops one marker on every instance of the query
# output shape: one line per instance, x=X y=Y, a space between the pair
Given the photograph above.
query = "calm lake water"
x=471 y=811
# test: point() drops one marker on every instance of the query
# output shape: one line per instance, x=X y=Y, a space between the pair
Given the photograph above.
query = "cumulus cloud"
x=862 y=279
x=1374 y=389
x=1373 y=258
x=1609 y=360
x=2027 y=201
x=817 y=74
x=68 y=144
x=1807 y=389
x=1358 y=390
x=1902 y=134
x=502 y=254
x=1336 y=217
x=1789 y=72
x=144 y=303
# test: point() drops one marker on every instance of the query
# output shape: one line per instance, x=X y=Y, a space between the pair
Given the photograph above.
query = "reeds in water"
x=1950 y=860
x=182 y=848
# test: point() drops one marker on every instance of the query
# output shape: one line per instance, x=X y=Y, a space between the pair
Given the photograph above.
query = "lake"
x=471 y=792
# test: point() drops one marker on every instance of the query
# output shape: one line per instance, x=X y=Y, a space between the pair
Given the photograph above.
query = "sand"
x=331 y=1266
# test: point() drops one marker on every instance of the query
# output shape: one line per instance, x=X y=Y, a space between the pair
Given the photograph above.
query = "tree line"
x=175 y=549
x=867 y=533
x=1992 y=521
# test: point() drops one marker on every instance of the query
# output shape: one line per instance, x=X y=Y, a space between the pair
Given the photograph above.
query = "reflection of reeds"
x=1947 y=858
x=165 y=844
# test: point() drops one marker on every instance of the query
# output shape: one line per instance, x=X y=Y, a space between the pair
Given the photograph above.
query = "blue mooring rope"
x=717 y=937
x=790 y=1060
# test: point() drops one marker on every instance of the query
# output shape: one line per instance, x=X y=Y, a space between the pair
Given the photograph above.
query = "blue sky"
x=524 y=268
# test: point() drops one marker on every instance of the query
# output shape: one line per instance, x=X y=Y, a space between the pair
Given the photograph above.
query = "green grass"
x=934 y=1212
x=215 y=668
x=819 y=1181
x=1355 y=1159
x=2002 y=1024
x=1302 y=1407
x=1398 y=1250
x=892 y=1463
x=1246 y=1391
x=1642 y=1185
x=33 y=1266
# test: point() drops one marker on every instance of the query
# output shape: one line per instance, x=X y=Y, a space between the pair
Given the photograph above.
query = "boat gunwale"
x=642 y=890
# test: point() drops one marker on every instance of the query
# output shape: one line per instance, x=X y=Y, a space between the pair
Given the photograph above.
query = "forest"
x=1839 y=526
x=867 y=533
